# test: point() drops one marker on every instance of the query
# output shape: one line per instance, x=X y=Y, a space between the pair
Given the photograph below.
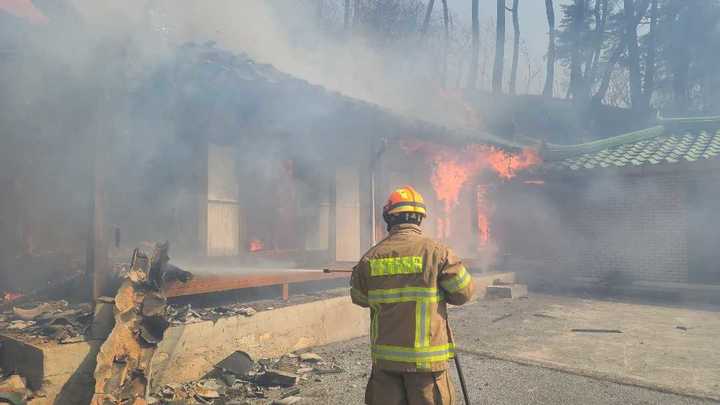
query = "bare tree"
x=601 y=12
x=346 y=16
x=446 y=25
x=576 y=87
x=633 y=58
x=319 y=10
x=499 y=64
x=516 y=46
x=472 y=79
x=550 y=69
x=608 y=74
x=428 y=14
x=633 y=15
x=356 y=15
x=649 y=85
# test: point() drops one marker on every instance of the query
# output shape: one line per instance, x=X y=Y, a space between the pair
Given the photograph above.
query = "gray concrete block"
x=507 y=291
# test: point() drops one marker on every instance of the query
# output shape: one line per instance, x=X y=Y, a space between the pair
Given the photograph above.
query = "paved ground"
x=651 y=351
x=667 y=347
x=491 y=382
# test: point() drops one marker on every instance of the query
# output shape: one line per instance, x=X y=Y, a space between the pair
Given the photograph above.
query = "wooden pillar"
x=223 y=206
x=285 y=292
x=347 y=214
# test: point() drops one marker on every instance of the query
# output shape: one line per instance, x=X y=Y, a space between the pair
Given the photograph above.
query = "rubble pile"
x=14 y=390
x=239 y=380
x=122 y=374
x=185 y=314
x=51 y=320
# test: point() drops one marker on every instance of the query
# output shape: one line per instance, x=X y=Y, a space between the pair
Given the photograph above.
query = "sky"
x=533 y=22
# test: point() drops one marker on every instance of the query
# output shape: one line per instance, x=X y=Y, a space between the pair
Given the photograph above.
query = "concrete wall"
x=591 y=226
x=636 y=226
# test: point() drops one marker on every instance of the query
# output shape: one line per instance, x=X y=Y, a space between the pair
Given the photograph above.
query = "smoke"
x=608 y=230
x=78 y=102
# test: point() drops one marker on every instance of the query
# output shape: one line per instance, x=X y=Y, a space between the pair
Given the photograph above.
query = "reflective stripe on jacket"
x=407 y=281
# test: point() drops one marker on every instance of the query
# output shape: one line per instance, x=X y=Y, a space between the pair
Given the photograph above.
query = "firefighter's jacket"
x=407 y=281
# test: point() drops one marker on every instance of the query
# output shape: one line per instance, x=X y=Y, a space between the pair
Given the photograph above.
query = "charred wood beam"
x=123 y=370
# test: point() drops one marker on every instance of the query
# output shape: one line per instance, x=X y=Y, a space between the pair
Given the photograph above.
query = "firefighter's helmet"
x=405 y=200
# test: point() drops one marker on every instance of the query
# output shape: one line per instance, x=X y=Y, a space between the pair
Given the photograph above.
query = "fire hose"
x=458 y=367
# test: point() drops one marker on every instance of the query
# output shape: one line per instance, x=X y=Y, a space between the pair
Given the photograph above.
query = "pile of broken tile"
x=50 y=320
x=239 y=380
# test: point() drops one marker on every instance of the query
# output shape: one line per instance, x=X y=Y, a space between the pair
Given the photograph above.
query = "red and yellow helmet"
x=405 y=199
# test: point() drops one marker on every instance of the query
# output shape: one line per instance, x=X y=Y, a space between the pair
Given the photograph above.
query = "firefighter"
x=407 y=280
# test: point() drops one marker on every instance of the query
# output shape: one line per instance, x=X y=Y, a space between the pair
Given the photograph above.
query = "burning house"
x=240 y=166
x=634 y=211
x=287 y=174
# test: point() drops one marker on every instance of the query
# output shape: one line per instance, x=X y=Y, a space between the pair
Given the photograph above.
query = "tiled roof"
x=205 y=77
x=675 y=140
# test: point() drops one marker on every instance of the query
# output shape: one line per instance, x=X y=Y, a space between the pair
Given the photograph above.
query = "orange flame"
x=256 y=245
x=11 y=296
x=452 y=168
x=483 y=215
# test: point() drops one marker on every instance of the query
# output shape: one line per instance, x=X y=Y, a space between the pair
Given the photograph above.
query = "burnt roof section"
x=673 y=140
x=215 y=92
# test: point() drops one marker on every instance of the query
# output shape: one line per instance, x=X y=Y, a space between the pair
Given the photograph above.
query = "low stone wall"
x=63 y=371
x=190 y=351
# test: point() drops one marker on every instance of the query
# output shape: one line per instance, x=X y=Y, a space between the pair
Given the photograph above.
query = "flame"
x=256 y=245
x=447 y=180
x=453 y=168
x=11 y=296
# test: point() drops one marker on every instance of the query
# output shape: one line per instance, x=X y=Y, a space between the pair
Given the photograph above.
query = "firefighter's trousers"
x=391 y=388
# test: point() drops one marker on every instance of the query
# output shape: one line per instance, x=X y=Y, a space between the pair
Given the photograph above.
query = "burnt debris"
x=51 y=320
x=122 y=374
x=238 y=379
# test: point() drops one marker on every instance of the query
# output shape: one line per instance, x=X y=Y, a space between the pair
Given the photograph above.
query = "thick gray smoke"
x=73 y=105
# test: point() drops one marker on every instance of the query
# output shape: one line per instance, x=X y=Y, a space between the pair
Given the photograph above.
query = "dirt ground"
x=524 y=352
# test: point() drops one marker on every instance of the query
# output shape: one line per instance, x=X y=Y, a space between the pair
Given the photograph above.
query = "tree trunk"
x=428 y=14
x=602 y=9
x=319 y=10
x=681 y=88
x=649 y=85
x=550 y=69
x=516 y=47
x=347 y=16
x=576 y=78
x=472 y=79
x=446 y=25
x=499 y=64
x=605 y=83
x=356 y=15
x=631 y=41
